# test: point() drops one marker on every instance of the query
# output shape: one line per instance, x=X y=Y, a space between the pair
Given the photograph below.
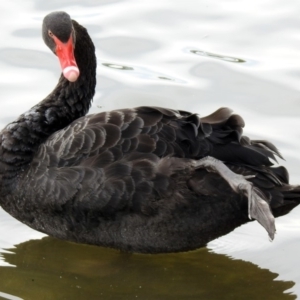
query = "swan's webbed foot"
x=258 y=207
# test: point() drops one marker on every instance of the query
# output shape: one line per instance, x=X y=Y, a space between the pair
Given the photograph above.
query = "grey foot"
x=258 y=207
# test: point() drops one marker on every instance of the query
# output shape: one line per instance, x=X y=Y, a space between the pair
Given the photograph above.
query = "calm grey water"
x=193 y=55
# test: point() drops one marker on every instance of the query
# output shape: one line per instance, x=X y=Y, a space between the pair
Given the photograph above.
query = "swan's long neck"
x=20 y=139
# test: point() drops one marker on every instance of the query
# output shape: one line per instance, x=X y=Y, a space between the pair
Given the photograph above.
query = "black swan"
x=146 y=179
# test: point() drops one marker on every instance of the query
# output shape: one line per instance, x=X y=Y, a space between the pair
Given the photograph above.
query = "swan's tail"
x=289 y=198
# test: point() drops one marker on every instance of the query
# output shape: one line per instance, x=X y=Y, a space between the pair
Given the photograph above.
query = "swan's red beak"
x=65 y=53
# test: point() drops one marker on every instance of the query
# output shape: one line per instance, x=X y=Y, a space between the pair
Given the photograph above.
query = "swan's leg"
x=258 y=208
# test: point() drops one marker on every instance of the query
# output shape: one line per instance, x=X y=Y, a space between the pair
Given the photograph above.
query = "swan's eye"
x=50 y=33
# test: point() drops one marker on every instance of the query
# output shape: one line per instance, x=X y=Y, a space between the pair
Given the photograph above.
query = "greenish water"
x=54 y=269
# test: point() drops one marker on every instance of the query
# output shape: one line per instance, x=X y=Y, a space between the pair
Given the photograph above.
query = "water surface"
x=89 y=272
x=189 y=55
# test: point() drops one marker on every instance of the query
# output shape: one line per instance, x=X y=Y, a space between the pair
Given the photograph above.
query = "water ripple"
x=117 y=67
x=218 y=56
x=143 y=72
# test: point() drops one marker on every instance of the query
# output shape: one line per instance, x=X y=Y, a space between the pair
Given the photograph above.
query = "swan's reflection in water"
x=54 y=269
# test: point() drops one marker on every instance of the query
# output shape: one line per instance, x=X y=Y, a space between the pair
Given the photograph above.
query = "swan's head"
x=59 y=36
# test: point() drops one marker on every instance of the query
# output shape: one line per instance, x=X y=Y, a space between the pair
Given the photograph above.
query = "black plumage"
x=124 y=178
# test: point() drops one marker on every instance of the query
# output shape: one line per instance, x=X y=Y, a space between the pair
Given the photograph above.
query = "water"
x=191 y=55
x=85 y=272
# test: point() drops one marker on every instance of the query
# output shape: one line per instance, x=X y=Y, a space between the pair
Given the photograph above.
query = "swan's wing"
x=162 y=132
x=136 y=140
x=136 y=183
x=144 y=184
